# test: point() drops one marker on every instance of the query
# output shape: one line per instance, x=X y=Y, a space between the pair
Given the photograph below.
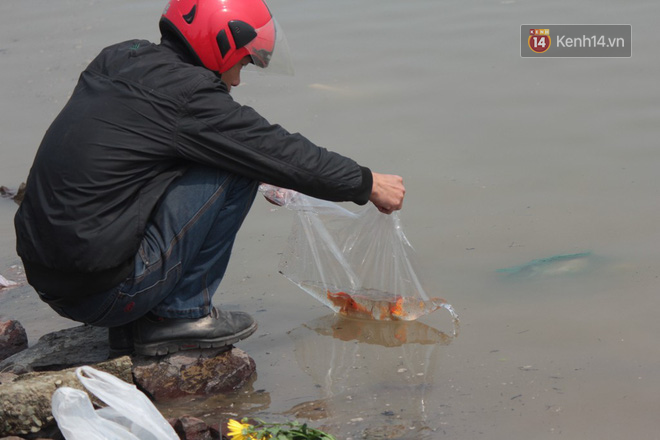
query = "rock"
x=13 y=437
x=25 y=403
x=7 y=377
x=13 y=338
x=192 y=428
x=82 y=345
x=25 y=400
x=388 y=432
x=312 y=410
x=193 y=372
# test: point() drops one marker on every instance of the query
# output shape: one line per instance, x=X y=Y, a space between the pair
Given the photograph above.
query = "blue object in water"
x=555 y=265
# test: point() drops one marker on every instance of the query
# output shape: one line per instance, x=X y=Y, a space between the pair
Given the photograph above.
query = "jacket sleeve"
x=217 y=131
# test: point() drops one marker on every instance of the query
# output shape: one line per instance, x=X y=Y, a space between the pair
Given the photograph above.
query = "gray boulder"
x=82 y=345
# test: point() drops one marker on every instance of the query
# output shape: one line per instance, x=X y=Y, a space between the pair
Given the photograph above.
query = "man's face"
x=232 y=77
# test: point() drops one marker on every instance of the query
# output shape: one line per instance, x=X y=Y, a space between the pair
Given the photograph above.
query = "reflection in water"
x=217 y=409
x=373 y=377
x=387 y=334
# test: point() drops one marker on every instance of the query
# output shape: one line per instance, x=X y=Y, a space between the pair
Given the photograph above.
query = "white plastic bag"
x=360 y=264
x=78 y=420
x=130 y=415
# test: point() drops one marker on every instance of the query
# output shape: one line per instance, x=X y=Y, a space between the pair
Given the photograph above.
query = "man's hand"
x=387 y=192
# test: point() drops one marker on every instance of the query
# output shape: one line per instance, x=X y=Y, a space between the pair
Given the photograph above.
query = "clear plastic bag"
x=130 y=415
x=360 y=264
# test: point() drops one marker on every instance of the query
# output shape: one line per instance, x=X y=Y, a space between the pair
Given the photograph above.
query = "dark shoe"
x=120 y=341
x=160 y=336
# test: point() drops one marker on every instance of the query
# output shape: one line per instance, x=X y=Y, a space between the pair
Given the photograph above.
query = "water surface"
x=506 y=161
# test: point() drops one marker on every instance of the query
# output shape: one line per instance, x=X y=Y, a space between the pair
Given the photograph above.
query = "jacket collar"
x=180 y=49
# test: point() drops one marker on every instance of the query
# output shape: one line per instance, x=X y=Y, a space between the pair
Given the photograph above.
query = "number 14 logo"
x=539 y=43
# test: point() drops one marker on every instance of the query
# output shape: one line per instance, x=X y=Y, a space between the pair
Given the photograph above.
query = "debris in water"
x=4 y=282
x=15 y=195
x=555 y=265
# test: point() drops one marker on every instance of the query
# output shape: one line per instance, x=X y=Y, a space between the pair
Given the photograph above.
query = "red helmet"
x=222 y=32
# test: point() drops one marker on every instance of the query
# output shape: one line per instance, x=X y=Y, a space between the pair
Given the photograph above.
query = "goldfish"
x=386 y=308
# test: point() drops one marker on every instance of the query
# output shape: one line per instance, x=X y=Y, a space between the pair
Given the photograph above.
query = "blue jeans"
x=183 y=255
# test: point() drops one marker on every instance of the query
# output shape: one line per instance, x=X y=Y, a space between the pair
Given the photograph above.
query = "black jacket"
x=139 y=115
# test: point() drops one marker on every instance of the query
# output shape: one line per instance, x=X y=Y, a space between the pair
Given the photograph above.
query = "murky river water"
x=506 y=161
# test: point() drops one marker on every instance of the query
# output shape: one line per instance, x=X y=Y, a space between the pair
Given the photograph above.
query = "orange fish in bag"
x=360 y=264
x=387 y=308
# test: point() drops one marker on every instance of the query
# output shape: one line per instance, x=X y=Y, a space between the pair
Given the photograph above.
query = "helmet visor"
x=270 y=50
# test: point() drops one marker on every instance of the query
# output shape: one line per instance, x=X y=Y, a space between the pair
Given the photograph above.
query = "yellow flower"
x=239 y=431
